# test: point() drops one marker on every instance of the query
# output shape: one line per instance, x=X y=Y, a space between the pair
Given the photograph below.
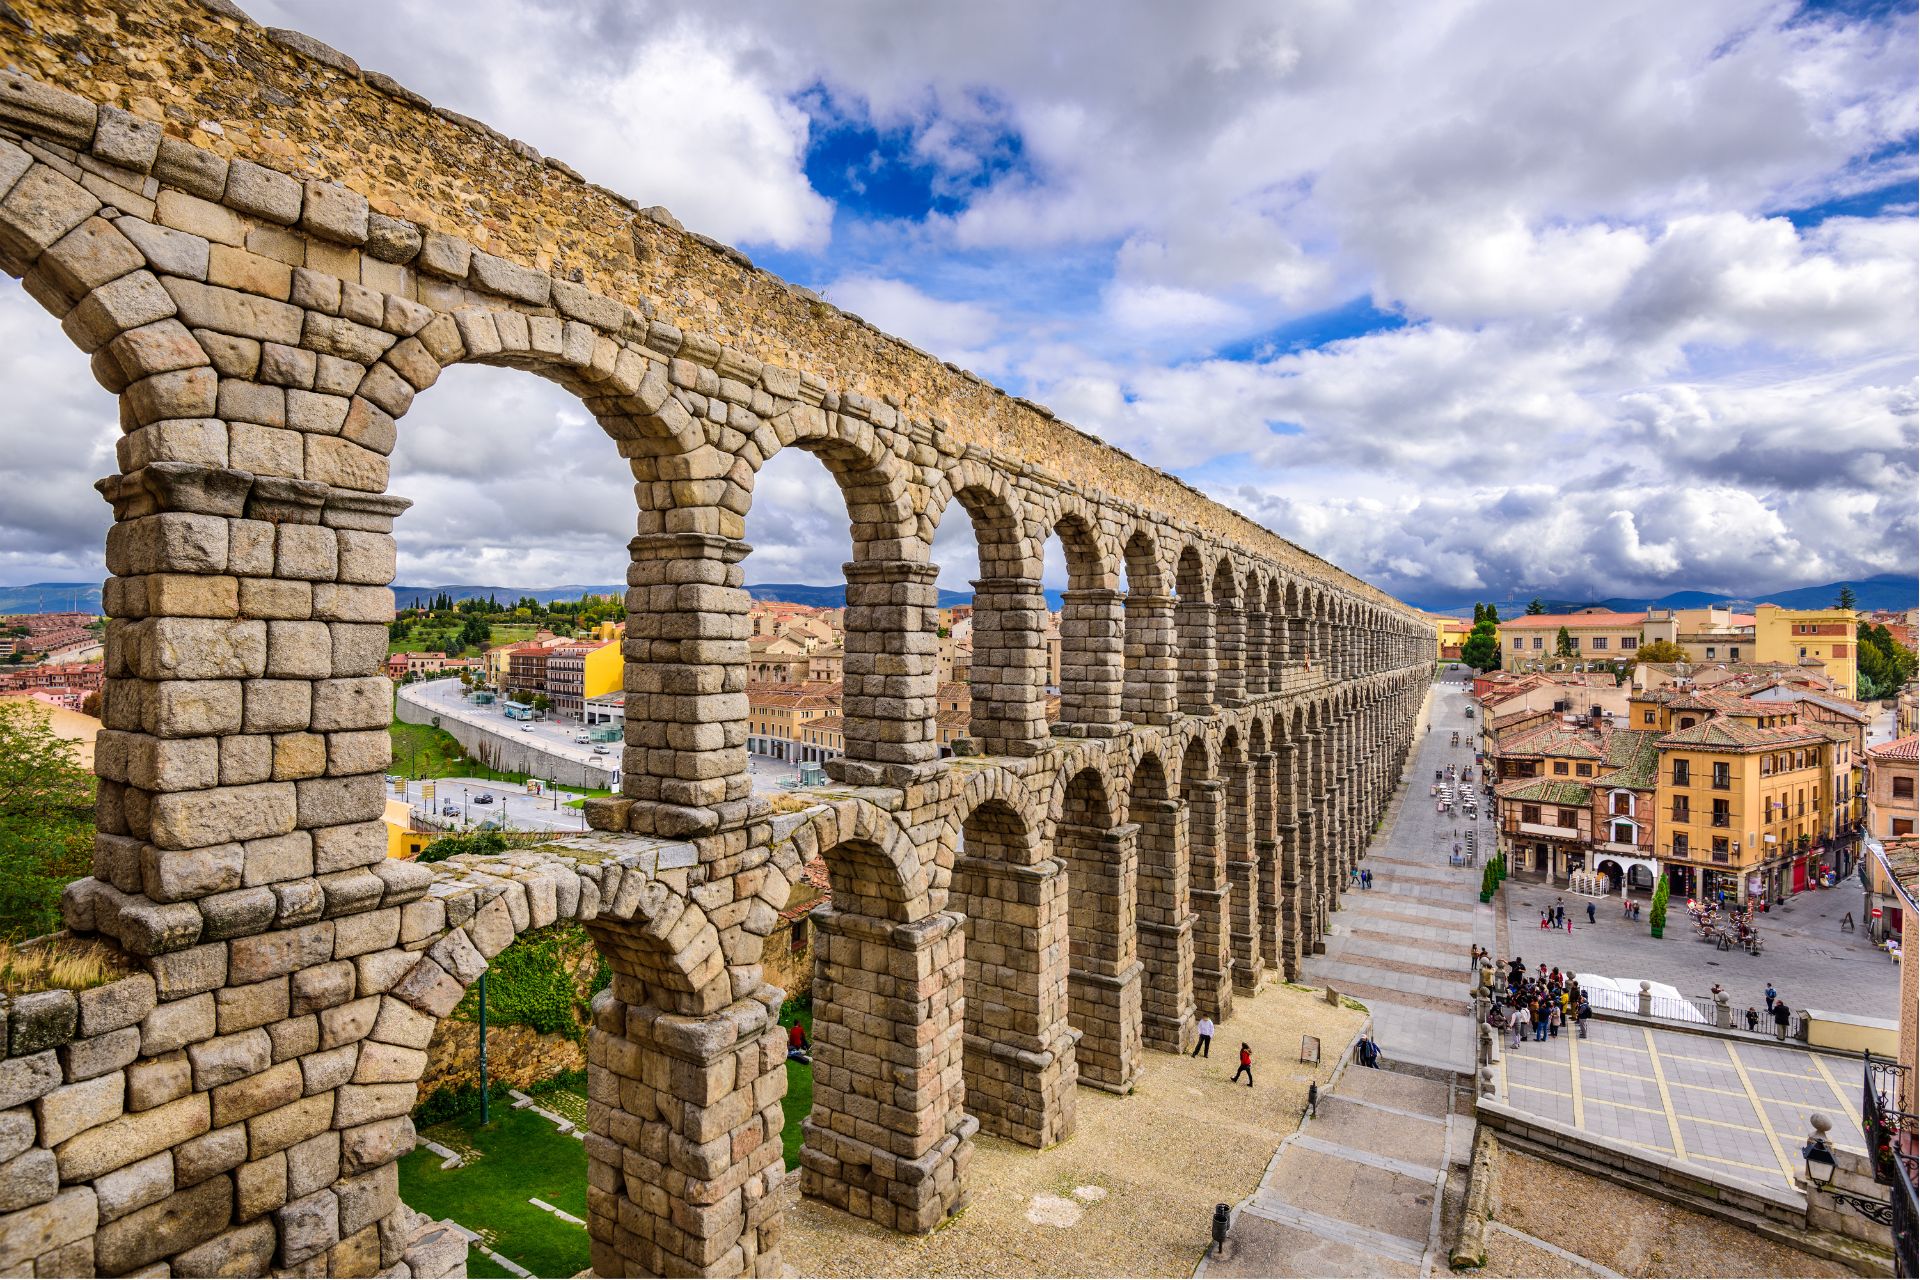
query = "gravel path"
x=1131 y=1193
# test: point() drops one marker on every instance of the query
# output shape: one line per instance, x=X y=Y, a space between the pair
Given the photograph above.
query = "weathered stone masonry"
x=268 y=254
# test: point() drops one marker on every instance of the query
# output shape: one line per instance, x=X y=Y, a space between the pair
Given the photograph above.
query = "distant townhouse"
x=581 y=671
x=1892 y=770
x=1593 y=635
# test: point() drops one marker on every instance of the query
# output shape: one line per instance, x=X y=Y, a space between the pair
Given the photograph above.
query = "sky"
x=1474 y=299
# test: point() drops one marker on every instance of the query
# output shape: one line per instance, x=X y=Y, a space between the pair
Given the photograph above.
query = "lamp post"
x=483 y=1048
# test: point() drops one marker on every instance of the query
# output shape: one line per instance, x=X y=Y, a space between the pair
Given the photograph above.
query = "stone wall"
x=517 y=1056
x=268 y=256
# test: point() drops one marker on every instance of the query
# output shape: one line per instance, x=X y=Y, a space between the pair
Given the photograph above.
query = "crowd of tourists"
x=1538 y=1004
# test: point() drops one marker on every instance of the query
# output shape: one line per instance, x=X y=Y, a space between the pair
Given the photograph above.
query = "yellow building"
x=1449 y=634
x=1742 y=795
x=402 y=840
x=604 y=667
x=1799 y=635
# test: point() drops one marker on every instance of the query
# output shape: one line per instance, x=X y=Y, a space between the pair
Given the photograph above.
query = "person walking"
x=1203 y=1047
x=1772 y=995
x=1516 y=1021
x=1540 y=1021
x=1580 y=1018
x=1246 y=1063
x=1780 y=1015
x=1590 y=913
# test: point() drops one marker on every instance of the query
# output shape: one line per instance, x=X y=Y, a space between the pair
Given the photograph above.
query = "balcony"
x=1722 y=820
x=1723 y=784
x=1622 y=850
x=1548 y=831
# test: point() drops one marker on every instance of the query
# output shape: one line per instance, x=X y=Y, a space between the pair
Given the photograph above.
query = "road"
x=545 y=812
x=447 y=698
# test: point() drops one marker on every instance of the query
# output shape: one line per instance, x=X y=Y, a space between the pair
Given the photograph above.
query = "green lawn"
x=422 y=751
x=431 y=636
x=517 y=1157
x=799 y=1100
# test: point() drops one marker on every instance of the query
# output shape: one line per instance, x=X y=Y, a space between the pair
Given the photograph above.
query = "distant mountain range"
x=1885 y=591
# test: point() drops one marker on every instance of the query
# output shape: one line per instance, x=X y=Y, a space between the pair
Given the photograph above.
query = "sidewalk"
x=1402 y=946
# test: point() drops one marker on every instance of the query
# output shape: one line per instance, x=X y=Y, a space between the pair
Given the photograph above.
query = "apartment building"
x=1825 y=636
x=1892 y=770
x=1593 y=634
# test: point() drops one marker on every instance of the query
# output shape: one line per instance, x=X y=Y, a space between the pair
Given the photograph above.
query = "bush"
x=1657 y=913
x=480 y=843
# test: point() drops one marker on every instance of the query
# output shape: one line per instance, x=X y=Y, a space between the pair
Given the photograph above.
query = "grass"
x=422 y=751
x=515 y=1158
x=60 y=961
x=429 y=636
x=798 y=1103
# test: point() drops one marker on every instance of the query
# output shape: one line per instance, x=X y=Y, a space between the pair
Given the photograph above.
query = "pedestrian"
x=1369 y=1053
x=1780 y=1015
x=1203 y=1047
x=1246 y=1063
x=1590 y=913
x=1515 y=1021
x=1772 y=995
x=1753 y=1018
x=1554 y=1017
x=1543 y=920
x=1585 y=1012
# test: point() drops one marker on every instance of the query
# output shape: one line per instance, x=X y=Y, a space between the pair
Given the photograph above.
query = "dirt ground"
x=1131 y=1193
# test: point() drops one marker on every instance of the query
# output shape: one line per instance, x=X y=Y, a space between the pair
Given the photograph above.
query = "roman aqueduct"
x=268 y=253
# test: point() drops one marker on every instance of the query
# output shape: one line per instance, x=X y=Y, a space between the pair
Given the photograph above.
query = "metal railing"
x=1892 y=1135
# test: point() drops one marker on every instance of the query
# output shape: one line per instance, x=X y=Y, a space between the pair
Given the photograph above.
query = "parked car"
x=485 y=797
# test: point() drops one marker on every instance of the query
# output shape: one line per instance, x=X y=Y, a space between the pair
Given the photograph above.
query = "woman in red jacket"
x=1246 y=1064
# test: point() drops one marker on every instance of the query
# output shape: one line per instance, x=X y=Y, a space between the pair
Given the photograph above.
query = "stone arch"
x=1009 y=613
x=1195 y=625
x=1150 y=691
x=875 y=870
x=1162 y=907
x=1092 y=626
x=1229 y=635
x=1100 y=854
x=1018 y=1063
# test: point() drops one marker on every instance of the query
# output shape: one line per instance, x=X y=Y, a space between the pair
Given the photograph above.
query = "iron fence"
x=1892 y=1137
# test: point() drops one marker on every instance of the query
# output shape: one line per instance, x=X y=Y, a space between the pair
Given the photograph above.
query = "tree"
x=1659 y=651
x=46 y=820
x=90 y=705
x=1657 y=913
x=1884 y=664
x=1479 y=613
x=1846 y=598
x=1535 y=608
x=541 y=702
x=1493 y=614
x=1481 y=650
x=1563 y=645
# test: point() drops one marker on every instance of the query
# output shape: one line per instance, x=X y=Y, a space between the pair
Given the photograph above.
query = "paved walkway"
x=1736 y=1109
x=1402 y=947
x=1357 y=1191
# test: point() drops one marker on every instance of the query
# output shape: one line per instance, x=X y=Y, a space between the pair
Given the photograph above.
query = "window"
x=1569 y=817
x=797 y=936
x=1722 y=815
x=1687 y=722
x=1682 y=812
x=1803 y=651
x=1711 y=653
x=1622 y=833
x=1733 y=653
x=1679 y=844
x=1681 y=773
x=1903 y=788
x=1622 y=803
x=1583 y=770
x=1539 y=642
x=1629 y=642
x=1529 y=813
x=1719 y=848
x=1519 y=642
x=1901 y=827
x=1599 y=642
x=1722 y=775
x=1649 y=716
x=1560 y=768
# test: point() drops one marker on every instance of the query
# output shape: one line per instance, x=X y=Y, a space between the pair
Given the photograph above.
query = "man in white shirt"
x=1203 y=1047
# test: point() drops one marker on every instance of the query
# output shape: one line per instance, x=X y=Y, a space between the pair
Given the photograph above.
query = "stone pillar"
x=1009 y=683
x=1259 y=660
x=1197 y=662
x=1020 y=1064
x=1279 y=653
x=890 y=676
x=684 y=1175
x=1326 y=889
x=1104 y=978
x=1151 y=694
x=686 y=649
x=1212 y=960
x=1285 y=919
x=1254 y=885
x=1230 y=641
x=889 y=1138
x=1242 y=876
x=1166 y=922
x=1093 y=631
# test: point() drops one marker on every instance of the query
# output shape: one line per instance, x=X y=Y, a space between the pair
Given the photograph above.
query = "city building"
x=1825 y=636
x=402 y=666
x=580 y=671
x=1574 y=797
x=1593 y=634
x=403 y=841
x=1449 y=634
x=778 y=713
x=1707 y=635
x=1892 y=770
